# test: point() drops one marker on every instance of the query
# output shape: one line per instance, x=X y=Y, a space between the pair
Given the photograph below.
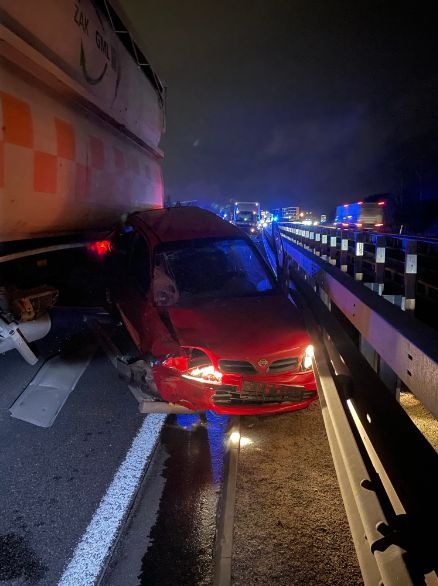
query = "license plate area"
x=274 y=391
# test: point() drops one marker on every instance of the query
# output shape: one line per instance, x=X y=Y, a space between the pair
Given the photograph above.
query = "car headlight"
x=308 y=358
x=204 y=374
x=195 y=364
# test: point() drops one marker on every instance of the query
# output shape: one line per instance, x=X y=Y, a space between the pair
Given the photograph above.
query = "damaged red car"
x=207 y=315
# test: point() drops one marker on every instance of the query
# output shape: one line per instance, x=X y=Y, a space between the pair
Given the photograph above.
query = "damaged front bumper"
x=236 y=395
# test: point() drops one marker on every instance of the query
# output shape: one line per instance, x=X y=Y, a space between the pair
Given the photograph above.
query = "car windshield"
x=208 y=268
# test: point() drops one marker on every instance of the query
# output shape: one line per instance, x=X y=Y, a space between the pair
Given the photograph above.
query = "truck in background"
x=379 y=212
x=361 y=214
x=82 y=113
x=391 y=213
x=412 y=213
x=246 y=216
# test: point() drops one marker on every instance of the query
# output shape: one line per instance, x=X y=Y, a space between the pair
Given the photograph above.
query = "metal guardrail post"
x=324 y=244
x=312 y=240
x=410 y=274
x=318 y=242
x=333 y=247
x=307 y=238
x=297 y=235
x=380 y=258
x=358 y=256
x=343 y=256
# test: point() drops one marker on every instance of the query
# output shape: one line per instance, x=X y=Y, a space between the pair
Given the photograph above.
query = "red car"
x=206 y=313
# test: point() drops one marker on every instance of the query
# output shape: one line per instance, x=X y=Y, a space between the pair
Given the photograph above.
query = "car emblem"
x=262 y=362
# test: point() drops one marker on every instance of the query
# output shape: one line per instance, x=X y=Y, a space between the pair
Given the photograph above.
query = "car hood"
x=244 y=328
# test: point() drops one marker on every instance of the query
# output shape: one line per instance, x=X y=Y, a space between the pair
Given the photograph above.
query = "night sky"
x=295 y=103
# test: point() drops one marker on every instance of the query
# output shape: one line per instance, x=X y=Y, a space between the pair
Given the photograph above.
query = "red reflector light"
x=99 y=248
x=381 y=203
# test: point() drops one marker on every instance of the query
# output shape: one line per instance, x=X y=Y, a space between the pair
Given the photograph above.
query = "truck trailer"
x=82 y=113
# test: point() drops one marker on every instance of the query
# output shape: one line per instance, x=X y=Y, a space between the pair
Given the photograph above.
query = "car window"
x=207 y=268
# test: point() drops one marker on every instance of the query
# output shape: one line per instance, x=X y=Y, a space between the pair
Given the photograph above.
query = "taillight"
x=100 y=248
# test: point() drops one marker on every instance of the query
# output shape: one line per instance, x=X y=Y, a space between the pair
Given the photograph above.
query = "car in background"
x=208 y=316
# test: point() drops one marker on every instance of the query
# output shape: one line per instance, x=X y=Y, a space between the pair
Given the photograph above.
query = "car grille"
x=236 y=366
x=260 y=394
x=283 y=365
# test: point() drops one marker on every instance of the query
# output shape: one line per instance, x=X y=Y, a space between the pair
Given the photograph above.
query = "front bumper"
x=238 y=396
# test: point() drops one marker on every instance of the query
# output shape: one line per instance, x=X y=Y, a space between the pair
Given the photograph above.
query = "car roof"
x=184 y=223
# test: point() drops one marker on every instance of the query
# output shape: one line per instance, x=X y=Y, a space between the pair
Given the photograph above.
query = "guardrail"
x=386 y=469
x=405 y=348
x=401 y=268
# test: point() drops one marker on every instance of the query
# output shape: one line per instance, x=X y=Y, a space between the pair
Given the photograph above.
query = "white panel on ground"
x=45 y=395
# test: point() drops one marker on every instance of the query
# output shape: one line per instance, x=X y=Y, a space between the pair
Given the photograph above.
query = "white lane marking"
x=92 y=550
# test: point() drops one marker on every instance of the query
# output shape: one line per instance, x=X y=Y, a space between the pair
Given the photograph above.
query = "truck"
x=246 y=216
x=379 y=212
x=82 y=113
x=361 y=214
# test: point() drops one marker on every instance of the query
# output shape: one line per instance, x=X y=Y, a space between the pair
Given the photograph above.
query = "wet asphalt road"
x=169 y=539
